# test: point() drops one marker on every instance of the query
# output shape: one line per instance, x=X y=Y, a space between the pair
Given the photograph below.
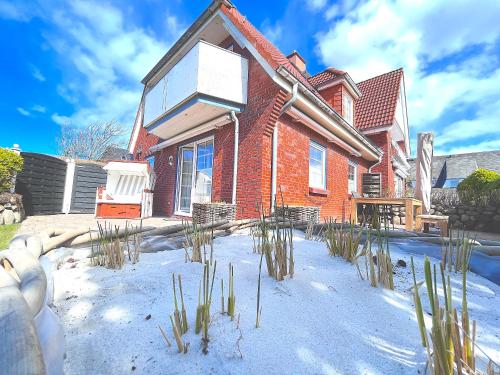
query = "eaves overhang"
x=376 y=152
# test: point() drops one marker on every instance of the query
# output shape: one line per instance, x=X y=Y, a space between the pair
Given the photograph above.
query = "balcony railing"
x=206 y=83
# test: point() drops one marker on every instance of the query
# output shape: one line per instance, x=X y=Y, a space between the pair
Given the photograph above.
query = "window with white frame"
x=352 y=177
x=317 y=166
x=347 y=108
x=399 y=186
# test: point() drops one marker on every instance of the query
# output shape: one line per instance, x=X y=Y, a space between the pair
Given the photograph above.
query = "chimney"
x=298 y=61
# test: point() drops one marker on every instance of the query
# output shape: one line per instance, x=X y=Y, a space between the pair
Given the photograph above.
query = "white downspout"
x=274 y=164
x=236 y=144
x=374 y=165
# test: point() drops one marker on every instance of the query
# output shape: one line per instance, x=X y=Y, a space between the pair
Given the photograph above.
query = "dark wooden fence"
x=87 y=178
x=41 y=183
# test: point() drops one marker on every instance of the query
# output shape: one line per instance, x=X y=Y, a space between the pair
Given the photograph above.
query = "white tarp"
x=424 y=170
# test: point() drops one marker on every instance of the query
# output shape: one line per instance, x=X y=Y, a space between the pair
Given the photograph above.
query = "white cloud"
x=17 y=12
x=272 y=32
x=489 y=145
x=37 y=74
x=378 y=36
x=39 y=108
x=316 y=5
x=60 y=120
x=23 y=111
x=108 y=56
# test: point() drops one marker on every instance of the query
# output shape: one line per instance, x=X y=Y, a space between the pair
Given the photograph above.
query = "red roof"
x=269 y=52
x=379 y=97
x=325 y=76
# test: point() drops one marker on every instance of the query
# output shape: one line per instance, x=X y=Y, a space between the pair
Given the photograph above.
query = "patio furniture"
x=411 y=205
x=440 y=221
x=128 y=193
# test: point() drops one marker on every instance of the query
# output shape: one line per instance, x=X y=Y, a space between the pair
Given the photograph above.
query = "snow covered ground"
x=325 y=320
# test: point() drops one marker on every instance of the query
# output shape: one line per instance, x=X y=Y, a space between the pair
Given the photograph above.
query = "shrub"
x=10 y=164
x=481 y=186
x=481 y=180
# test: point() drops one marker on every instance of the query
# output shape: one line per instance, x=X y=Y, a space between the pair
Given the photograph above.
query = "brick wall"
x=293 y=171
x=256 y=122
x=333 y=95
x=383 y=140
x=143 y=143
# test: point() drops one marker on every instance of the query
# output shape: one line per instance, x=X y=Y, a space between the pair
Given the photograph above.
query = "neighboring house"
x=297 y=135
x=115 y=153
x=449 y=170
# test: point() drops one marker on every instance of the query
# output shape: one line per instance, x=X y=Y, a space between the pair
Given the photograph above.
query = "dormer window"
x=347 y=108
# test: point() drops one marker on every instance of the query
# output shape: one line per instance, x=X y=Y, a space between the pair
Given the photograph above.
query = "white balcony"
x=206 y=83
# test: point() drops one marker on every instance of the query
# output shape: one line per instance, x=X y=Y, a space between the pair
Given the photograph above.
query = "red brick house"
x=307 y=137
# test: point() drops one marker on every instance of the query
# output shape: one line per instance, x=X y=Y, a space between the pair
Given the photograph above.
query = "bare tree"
x=89 y=142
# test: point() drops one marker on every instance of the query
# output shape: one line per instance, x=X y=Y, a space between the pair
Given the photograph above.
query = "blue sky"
x=79 y=61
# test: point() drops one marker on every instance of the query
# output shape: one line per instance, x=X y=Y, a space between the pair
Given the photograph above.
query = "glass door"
x=194 y=183
x=203 y=177
x=185 y=182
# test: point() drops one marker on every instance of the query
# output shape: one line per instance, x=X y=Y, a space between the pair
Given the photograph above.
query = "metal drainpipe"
x=236 y=144
x=274 y=164
x=374 y=165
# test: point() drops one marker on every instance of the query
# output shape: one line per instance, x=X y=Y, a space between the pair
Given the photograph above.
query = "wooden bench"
x=440 y=221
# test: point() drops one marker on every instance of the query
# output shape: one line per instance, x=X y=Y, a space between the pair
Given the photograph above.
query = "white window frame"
x=193 y=179
x=321 y=149
x=355 y=166
x=348 y=107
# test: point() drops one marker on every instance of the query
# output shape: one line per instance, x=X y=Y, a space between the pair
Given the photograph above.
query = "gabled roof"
x=459 y=166
x=379 y=97
x=325 y=76
x=273 y=56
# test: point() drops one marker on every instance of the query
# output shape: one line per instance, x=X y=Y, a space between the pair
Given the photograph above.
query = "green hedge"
x=10 y=164
x=482 y=185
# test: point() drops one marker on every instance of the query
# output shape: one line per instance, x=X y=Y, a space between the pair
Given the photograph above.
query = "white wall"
x=205 y=69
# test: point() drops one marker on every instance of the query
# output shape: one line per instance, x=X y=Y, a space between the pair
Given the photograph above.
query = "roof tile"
x=379 y=97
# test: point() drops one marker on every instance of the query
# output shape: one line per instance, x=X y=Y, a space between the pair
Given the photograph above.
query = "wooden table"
x=408 y=203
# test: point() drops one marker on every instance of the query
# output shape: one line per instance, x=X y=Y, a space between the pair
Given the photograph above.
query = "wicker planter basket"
x=204 y=213
x=300 y=213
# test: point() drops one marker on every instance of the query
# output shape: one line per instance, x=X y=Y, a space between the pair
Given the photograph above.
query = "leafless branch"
x=89 y=142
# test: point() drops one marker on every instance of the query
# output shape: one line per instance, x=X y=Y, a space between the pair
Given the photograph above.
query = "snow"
x=325 y=320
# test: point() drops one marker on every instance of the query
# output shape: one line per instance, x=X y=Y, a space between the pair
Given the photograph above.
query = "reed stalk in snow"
x=451 y=348
x=222 y=296
x=231 y=298
x=384 y=262
x=207 y=302
x=197 y=238
x=259 y=308
x=276 y=243
x=456 y=253
x=199 y=310
x=184 y=321
x=109 y=251
x=177 y=314
x=167 y=341
x=177 y=335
